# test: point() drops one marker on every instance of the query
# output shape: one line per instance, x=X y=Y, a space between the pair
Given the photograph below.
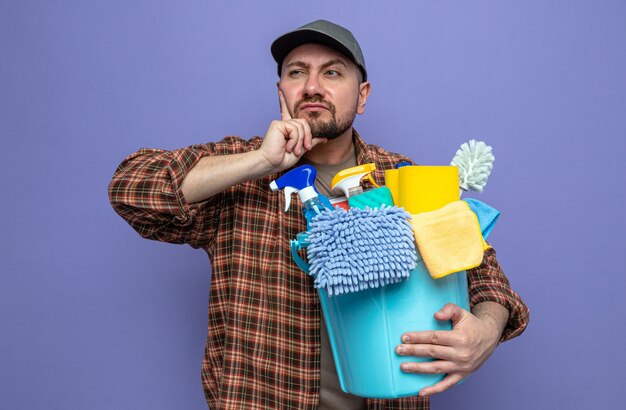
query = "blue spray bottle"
x=302 y=181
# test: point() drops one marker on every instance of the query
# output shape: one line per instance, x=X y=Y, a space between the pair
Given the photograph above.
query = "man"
x=267 y=347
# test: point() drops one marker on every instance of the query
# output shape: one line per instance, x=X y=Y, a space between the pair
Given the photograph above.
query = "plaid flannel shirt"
x=263 y=344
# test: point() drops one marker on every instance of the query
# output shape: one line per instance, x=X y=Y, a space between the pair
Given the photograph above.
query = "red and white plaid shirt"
x=263 y=344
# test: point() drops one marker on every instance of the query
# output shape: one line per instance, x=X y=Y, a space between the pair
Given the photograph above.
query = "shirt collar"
x=361 y=149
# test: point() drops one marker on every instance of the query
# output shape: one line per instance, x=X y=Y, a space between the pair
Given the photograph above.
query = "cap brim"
x=287 y=42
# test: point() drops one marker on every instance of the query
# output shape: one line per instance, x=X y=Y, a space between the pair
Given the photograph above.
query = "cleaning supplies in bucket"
x=348 y=181
x=360 y=248
x=487 y=215
x=449 y=239
x=475 y=161
x=301 y=180
x=426 y=188
x=365 y=322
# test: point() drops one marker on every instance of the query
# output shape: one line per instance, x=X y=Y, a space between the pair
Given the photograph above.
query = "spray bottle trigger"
x=288 y=191
x=369 y=177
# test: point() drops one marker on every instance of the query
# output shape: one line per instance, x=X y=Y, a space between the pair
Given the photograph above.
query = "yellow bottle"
x=349 y=180
x=426 y=188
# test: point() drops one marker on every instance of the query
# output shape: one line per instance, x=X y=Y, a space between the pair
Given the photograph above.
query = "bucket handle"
x=296 y=244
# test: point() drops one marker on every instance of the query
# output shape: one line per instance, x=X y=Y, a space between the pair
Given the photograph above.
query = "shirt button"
x=312 y=389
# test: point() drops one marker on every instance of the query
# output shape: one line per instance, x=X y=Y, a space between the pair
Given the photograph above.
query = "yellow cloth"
x=449 y=239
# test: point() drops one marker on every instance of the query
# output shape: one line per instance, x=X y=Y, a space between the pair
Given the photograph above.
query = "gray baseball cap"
x=321 y=32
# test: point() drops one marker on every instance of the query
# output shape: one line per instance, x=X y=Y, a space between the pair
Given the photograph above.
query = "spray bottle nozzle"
x=300 y=180
x=349 y=180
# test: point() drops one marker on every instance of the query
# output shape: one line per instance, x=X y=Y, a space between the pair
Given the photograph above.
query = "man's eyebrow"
x=333 y=62
x=325 y=65
x=298 y=64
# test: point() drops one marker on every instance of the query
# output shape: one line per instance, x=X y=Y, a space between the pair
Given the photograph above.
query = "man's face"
x=322 y=86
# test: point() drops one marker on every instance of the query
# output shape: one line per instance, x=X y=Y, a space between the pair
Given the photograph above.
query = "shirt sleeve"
x=146 y=191
x=487 y=282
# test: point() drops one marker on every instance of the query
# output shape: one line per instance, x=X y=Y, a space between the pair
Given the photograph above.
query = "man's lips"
x=312 y=107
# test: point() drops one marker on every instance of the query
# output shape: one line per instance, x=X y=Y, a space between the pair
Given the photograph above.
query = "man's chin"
x=328 y=134
x=309 y=115
x=329 y=129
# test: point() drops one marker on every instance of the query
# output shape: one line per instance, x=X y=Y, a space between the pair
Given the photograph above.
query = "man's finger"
x=284 y=111
x=431 y=367
x=291 y=133
x=316 y=141
x=433 y=337
x=426 y=350
x=451 y=312
x=301 y=135
x=307 y=134
x=447 y=382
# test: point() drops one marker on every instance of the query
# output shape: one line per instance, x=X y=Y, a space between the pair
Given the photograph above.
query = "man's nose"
x=313 y=86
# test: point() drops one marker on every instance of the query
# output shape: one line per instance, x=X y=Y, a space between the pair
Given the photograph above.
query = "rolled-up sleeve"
x=488 y=282
x=146 y=191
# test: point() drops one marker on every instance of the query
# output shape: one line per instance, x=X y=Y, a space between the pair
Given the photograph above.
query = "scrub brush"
x=475 y=161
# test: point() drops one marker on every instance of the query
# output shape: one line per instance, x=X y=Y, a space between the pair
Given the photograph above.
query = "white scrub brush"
x=474 y=160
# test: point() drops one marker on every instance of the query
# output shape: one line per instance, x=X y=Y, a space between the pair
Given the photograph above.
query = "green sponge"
x=374 y=198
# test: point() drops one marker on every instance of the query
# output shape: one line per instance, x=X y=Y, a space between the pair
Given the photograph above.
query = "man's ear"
x=364 y=92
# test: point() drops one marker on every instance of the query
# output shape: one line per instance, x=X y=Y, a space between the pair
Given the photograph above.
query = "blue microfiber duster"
x=359 y=249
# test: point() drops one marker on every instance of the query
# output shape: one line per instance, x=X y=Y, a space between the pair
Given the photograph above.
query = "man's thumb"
x=450 y=312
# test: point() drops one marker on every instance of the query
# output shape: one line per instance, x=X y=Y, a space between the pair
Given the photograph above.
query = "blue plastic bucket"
x=365 y=327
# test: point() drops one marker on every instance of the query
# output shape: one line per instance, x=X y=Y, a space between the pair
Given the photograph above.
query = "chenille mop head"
x=360 y=249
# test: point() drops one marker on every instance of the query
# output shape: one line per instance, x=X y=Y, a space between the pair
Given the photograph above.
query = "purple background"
x=94 y=317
